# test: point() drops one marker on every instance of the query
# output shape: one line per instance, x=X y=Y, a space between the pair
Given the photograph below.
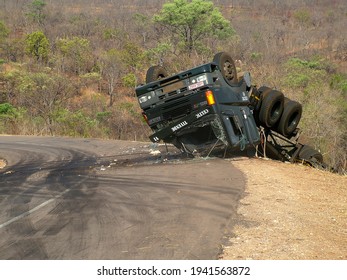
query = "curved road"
x=63 y=198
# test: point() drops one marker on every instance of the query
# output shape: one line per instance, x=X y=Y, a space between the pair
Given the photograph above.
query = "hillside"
x=290 y=212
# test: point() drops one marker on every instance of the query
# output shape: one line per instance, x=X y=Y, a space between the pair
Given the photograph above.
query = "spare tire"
x=227 y=66
x=271 y=108
x=309 y=154
x=155 y=73
x=290 y=117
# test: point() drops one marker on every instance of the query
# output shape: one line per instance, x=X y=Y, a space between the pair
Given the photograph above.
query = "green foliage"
x=4 y=31
x=256 y=56
x=37 y=45
x=77 y=124
x=157 y=54
x=112 y=33
x=324 y=105
x=132 y=56
x=193 y=21
x=10 y=117
x=36 y=11
x=303 y=73
x=74 y=45
x=90 y=78
x=6 y=109
x=103 y=116
x=143 y=22
x=78 y=52
x=43 y=93
x=128 y=107
x=141 y=19
x=129 y=80
x=339 y=82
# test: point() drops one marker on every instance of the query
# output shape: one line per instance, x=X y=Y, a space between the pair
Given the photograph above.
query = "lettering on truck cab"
x=202 y=113
x=179 y=126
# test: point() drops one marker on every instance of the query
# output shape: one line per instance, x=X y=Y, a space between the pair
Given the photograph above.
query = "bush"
x=6 y=109
x=129 y=80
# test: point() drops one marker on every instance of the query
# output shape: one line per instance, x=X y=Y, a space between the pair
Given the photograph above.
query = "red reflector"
x=210 y=97
x=145 y=117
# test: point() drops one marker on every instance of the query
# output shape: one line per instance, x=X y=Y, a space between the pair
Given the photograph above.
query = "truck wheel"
x=262 y=90
x=227 y=66
x=290 y=117
x=271 y=107
x=155 y=73
x=310 y=154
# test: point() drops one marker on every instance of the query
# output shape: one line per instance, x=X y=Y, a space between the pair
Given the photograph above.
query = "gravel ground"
x=290 y=212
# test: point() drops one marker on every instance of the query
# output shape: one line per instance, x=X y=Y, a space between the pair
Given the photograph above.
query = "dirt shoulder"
x=290 y=212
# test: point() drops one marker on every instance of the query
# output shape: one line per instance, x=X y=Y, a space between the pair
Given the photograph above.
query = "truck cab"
x=198 y=109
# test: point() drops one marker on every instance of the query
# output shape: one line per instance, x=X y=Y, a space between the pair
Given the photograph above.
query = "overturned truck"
x=208 y=109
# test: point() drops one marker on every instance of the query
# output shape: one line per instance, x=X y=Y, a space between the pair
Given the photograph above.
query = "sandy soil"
x=290 y=212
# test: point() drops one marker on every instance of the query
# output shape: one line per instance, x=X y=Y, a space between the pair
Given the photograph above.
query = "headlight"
x=201 y=78
x=143 y=99
x=146 y=97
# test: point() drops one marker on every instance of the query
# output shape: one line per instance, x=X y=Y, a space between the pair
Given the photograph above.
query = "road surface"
x=64 y=198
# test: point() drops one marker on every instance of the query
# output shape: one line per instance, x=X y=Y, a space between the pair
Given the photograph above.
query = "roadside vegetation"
x=69 y=67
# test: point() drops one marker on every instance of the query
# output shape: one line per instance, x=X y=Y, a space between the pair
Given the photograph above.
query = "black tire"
x=271 y=108
x=262 y=90
x=311 y=155
x=155 y=73
x=227 y=66
x=290 y=117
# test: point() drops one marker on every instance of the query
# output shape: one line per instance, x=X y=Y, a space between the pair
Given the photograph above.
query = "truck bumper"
x=234 y=126
x=171 y=131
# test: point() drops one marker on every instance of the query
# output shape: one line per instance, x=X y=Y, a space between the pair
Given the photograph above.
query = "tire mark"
x=31 y=210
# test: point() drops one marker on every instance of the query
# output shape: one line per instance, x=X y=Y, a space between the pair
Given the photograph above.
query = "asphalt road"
x=63 y=198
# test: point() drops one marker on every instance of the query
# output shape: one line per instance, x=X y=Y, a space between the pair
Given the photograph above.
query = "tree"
x=44 y=94
x=77 y=54
x=37 y=45
x=192 y=21
x=156 y=55
x=111 y=66
x=132 y=56
x=36 y=11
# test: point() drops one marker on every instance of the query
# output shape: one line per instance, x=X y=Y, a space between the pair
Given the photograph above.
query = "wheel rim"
x=228 y=69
